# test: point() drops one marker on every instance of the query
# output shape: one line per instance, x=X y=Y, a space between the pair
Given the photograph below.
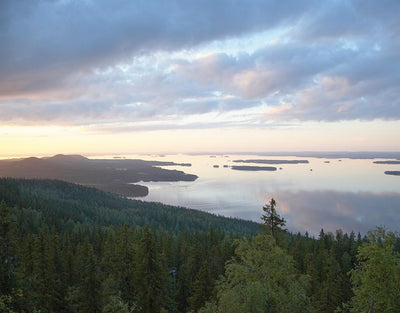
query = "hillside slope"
x=61 y=202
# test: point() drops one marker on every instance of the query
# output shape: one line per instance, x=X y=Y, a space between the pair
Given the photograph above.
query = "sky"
x=137 y=76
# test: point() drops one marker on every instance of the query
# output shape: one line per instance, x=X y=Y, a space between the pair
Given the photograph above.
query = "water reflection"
x=354 y=195
x=331 y=210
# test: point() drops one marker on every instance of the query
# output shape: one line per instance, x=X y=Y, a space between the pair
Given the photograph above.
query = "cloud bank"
x=248 y=63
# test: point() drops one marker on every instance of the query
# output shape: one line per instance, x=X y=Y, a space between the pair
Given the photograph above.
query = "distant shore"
x=317 y=154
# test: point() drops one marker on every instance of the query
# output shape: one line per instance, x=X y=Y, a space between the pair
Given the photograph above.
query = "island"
x=118 y=176
x=176 y=164
x=272 y=161
x=396 y=173
x=253 y=168
x=387 y=162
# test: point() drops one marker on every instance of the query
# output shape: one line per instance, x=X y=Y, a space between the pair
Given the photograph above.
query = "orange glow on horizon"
x=350 y=136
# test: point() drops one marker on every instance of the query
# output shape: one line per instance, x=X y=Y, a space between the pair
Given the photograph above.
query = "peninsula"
x=117 y=176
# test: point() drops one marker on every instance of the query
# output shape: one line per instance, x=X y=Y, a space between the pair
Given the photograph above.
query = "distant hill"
x=61 y=203
x=116 y=175
x=68 y=158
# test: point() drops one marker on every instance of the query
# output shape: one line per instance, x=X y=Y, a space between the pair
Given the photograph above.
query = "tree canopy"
x=261 y=278
x=67 y=248
x=376 y=276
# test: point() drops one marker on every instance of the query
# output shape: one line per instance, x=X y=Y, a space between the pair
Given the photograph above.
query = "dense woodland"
x=68 y=248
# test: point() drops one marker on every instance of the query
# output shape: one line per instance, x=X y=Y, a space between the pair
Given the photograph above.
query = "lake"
x=329 y=193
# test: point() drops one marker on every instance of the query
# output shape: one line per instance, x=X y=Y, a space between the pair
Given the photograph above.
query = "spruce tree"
x=6 y=255
x=202 y=287
x=150 y=295
x=273 y=223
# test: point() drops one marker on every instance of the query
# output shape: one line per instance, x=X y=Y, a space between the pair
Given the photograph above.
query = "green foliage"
x=117 y=305
x=6 y=250
x=261 y=278
x=6 y=303
x=68 y=248
x=149 y=275
x=62 y=204
x=202 y=287
x=376 y=277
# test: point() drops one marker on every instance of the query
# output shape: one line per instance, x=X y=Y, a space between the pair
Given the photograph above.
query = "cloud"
x=93 y=62
x=55 y=38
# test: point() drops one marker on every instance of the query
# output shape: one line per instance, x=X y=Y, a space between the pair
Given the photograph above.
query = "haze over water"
x=349 y=194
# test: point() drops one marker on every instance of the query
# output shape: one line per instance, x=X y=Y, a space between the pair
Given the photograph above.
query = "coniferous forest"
x=69 y=248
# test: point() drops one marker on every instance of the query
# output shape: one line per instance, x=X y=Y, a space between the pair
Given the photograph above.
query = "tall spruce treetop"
x=273 y=223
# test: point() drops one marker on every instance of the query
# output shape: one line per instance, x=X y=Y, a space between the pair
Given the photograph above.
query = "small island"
x=395 y=173
x=253 y=168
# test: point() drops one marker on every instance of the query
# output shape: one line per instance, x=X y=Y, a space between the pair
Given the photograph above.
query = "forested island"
x=272 y=161
x=387 y=162
x=395 y=173
x=69 y=248
x=253 y=168
x=115 y=175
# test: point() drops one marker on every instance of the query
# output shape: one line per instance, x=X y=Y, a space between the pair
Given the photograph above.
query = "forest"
x=70 y=248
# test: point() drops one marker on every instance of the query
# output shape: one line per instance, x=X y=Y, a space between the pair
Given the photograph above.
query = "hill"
x=116 y=175
x=61 y=202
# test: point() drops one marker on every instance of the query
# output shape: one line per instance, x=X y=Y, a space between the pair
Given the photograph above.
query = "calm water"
x=351 y=194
